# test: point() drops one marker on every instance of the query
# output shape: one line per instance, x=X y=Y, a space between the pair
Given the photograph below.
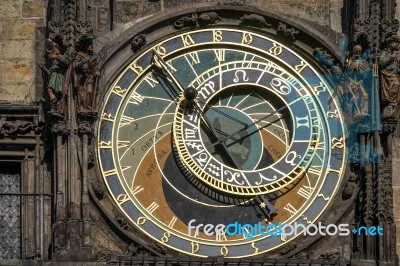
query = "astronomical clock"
x=220 y=123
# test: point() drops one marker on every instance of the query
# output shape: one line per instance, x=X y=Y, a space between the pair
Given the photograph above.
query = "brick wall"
x=18 y=21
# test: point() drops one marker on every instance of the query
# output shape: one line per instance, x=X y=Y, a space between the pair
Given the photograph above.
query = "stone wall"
x=109 y=23
x=18 y=22
x=322 y=12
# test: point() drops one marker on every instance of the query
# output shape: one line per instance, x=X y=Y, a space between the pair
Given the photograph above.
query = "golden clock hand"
x=159 y=62
x=265 y=204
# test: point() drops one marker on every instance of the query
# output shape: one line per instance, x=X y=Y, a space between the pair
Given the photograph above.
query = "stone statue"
x=254 y=20
x=58 y=65
x=85 y=76
x=355 y=96
x=389 y=63
x=358 y=94
x=286 y=32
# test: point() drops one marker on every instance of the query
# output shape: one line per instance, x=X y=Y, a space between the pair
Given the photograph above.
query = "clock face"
x=220 y=126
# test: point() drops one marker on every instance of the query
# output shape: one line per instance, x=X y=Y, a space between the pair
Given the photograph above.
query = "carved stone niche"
x=18 y=130
x=21 y=151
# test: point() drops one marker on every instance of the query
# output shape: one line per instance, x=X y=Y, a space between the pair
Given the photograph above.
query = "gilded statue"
x=355 y=95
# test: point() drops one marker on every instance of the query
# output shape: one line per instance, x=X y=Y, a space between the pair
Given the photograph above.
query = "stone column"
x=60 y=131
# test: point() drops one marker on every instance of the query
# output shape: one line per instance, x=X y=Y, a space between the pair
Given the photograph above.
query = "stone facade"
x=22 y=24
x=18 y=30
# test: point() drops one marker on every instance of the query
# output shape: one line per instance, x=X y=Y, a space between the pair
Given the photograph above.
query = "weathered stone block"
x=397 y=237
x=22 y=93
x=396 y=202
x=19 y=29
x=9 y=9
x=2 y=30
x=336 y=15
x=18 y=71
x=21 y=49
x=128 y=11
x=396 y=169
x=35 y=8
x=396 y=162
x=102 y=3
x=312 y=10
x=103 y=20
x=180 y=3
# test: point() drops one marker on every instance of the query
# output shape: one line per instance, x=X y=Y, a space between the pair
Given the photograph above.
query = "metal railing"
x=219 y=261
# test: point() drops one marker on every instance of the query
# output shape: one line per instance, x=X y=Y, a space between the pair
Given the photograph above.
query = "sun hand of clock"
x=266 y=205
x=159 y=62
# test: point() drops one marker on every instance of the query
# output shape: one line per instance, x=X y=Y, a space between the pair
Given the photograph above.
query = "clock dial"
x=218 y=126
x=271 y=106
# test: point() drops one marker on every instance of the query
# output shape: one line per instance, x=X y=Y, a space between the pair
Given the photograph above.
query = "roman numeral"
x=302 y=122
x=150 y=80
x=314 y=171
x=171 y=68
x=305 y=191
x=123 y=143
x=152 y=207
x=219 y=55
x=172 y=222
x=109 y=172
x=193 y=58
x=135 y=98
x=292 y=210
x=136 y=189
x=125 y=120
